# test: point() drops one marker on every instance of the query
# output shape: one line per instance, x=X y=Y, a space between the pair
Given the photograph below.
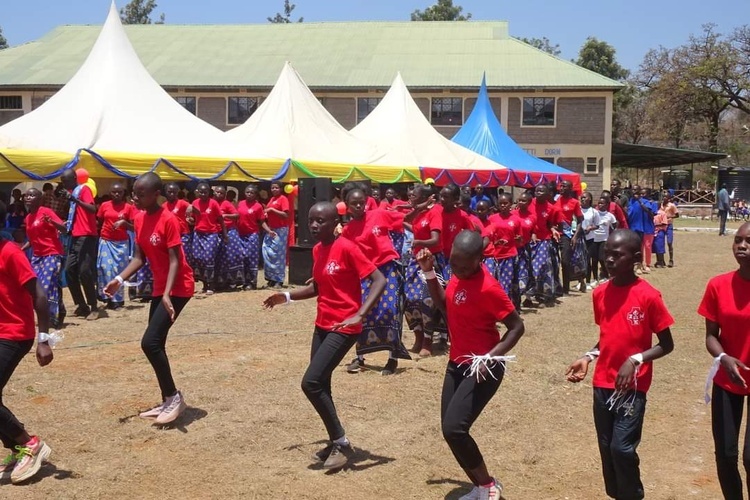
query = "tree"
x=3 y=41
x=139 y=12
x=599 y=57
x=286 y=17
x=443 y=10
x=543 y=44
x=631 y=119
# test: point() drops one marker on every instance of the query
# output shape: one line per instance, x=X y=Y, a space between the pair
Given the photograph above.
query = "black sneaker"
x=390 y=367
x=355 y=366
x=81 y=311
x=339 y=456
x=321 y=455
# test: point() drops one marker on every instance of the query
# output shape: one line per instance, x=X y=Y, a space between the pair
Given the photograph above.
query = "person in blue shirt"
x=641 y=213
x=479 y=196
x=723 y=204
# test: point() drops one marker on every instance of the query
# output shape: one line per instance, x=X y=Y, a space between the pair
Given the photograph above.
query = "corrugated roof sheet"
x=351 y=54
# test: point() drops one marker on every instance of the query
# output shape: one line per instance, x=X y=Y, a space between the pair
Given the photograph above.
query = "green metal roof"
x=350 y=54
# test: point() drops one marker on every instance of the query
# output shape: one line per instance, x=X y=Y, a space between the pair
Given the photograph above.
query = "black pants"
x=462 y=401
x=328 y=349
x=593 y=248
x=11 y=353
x=566 y=256
x=726 y=418
x=619 y=432
x=723 y=221
x=154 y=342
x=80 y=270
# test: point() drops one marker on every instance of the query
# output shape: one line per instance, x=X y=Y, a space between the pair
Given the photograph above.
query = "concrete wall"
x=214 y=111
x=577 y=121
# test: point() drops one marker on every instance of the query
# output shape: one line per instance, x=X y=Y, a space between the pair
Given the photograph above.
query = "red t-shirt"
x=338 y=269
x=179 y=210
x=616 y=210
x=156 y=233
x=569 y=208
x=424 y=223
x=207 y=216
x=251 y=217
x=371 y=203
x=473 y=307
x=489 y=250
x=528 y=225
x=547 y=215
x=727 y=302
x=627 y=316
x=109 y=214
x=503 y=228
x=228 y=209
x=370 y=233
x=43 y=236
x=395 y=205
x=453 y=223
x=84 y=222
x=281 y=203
x=16 y=305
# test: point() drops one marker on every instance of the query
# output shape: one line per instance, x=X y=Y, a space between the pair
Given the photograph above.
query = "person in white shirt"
x=607 y=224
x=588 y=226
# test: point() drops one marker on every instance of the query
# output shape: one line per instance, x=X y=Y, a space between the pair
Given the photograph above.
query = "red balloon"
x=341 y=207
x=82 y=175
x=295 y=191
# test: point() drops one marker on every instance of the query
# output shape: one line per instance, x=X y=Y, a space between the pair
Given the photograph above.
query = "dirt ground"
x=249 y=430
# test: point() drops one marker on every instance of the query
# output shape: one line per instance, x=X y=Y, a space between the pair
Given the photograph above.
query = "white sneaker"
x=173 y=407
x=153 y=412
x=592 y=284
x=494 y=492
x=472 y=495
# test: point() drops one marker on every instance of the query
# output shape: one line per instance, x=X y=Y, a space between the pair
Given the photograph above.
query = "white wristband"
x=42 y=337
x=637 y=358
x=429 y=275
x=592 y=355
x=119 y=279
x=51 y=339
x=288 y=297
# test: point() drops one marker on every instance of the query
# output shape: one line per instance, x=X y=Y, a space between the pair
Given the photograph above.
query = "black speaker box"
x=300 y=264
x=311 y=191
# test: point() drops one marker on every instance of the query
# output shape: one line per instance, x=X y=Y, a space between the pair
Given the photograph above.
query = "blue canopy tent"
x=483 y=134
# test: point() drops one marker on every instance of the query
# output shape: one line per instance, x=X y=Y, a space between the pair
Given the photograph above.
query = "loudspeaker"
x=300 y=264
x=311 y=191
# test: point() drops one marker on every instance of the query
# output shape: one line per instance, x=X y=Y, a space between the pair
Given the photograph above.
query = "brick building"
x=551 y=107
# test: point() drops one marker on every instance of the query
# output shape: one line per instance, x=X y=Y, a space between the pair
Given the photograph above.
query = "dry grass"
x=250 y=431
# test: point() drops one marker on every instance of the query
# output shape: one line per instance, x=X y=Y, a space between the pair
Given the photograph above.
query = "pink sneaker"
x=30 y=458
x=173 y=407
x=153 y=412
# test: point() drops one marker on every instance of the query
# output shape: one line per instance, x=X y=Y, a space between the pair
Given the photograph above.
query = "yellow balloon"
x=288 y=189
x=92 y=185
x=429 y=180
x=584 y=186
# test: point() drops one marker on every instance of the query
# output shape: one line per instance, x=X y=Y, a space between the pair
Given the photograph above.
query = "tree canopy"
x=3 y=41
x=443 y=10
x=286 y=17
x=543 y=44
x=139 y=12
x=599 y=56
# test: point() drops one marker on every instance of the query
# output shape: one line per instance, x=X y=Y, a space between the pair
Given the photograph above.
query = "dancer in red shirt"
x=230 y=269
x=210 y=231
x=275 y=248
x=571 y=242
x=454 y=218
x=473 y=302
x=726 y=307
x=43 y=229
x=503 y=233
x=179 y=208
x=391 y=202
x=527 y=221
x=369 y=230
x=629 y=312
x=548 y=227
x=251 y=219
x=115 y=218
x=20 y=297
x=157 y=238
x=338 y=268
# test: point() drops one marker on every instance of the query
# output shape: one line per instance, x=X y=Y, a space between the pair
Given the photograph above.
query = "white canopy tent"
x=292 y=123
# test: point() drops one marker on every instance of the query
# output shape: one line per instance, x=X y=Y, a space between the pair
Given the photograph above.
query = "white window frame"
x=588 y=162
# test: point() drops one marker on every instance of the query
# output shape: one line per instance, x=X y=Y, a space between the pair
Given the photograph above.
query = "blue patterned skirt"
x=542 y=270
x=274 y=255
x=48 y=272
x=231 y=271
x=381 y=329
x=187 y=247
x=250 y=257
x=112 y=258
x=205 y=254
x=524 y=279
x=420 y=315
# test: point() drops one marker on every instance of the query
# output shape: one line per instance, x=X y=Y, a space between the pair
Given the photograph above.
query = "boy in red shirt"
x=115 y=219
x=628 y=311
x=157 y=238
x=473 y=303
x=726 y=307
x=20 y=296
x=80 y=264
x=43 y=228
x=338 y=267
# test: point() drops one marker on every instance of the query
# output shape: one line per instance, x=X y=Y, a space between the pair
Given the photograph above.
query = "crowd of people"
x=450 y=262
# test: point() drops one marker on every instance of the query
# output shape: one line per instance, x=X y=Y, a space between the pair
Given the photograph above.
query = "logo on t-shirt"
x=425 y=223
x=636 y=316
x=332 y=268
x=376 y=231
x=208 y=211
x=175 y=210
x=37 y=222
x=155 y=239
x=453 y=227
x=460 y=297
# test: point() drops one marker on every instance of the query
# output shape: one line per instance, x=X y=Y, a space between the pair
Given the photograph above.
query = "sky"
x=632 y=27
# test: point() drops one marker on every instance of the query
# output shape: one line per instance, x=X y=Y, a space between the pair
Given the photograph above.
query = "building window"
x=539 y=111
x=240 y=109
x=11 y=102
x=448 y=111
x=592 y=165
x=365 y=105
x=187 y=103
x=547 y=159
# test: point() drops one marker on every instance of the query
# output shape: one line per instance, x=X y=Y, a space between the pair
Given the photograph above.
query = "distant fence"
x=694 y=197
